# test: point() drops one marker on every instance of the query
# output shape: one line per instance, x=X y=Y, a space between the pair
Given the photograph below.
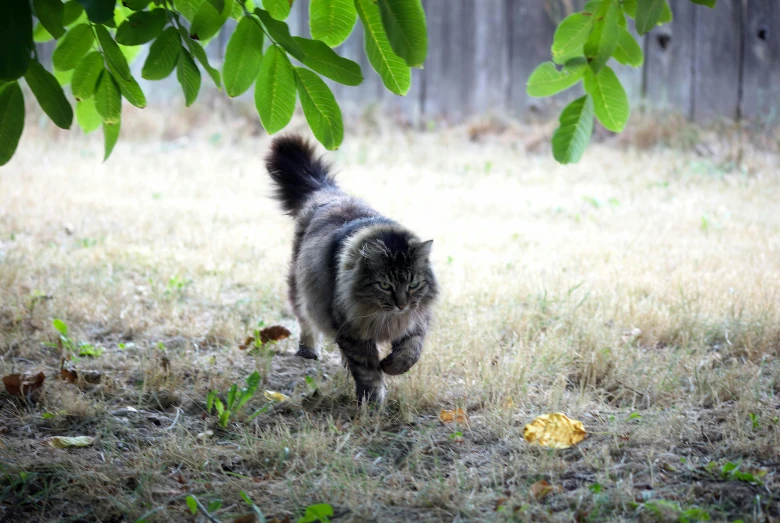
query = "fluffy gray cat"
x=357 y=277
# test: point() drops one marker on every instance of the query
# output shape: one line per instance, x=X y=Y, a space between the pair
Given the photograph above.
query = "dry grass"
x=638 y=291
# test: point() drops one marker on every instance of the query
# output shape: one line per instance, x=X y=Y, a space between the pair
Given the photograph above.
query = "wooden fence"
x=707 y=64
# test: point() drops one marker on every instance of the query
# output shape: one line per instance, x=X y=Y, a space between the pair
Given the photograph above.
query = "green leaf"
x=87 y=116
x=71 y=12
x=136 y=5
x=404 y=23
x=547 y=80
x=141 y=27
x=73 y=46
x=210 y=400
x=85 y=77
x=275 y=90
x=11 y=119
x=666 y=14
x=208 y=21
x=570 y=37
x=231 y=397
x=320 y=108
x=648 y=12
x=628 y=51
x=708 y=3
x=98 y=11
x=395 y=74
x=188 y=75
x=49 y=94
x=610 y=101
x=40 y=34
x=188 y=8
x=603 y=39
x=16 y=38
x=197 y=51
x=192 y=504
x=110 y=137
x=163 y=55
x=60 y=326
x=280 y=33
x=324 y=60
x=243 y=56
x=331 y=21
x=218 y=5
x=279 y=9
x=131 y=91
x=114 y=56
x=50 y=13
x=108 y=100
x=573 y=133
x=63 y=77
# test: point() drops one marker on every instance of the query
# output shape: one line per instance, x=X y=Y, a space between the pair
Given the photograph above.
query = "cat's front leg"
x=363 y=362
x=406 y=351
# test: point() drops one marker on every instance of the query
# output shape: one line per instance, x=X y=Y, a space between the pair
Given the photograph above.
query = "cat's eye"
x=385 y=286
x=414 y=284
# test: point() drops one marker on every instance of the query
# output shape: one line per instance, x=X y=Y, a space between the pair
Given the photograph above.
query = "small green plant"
x=235 y=399
x=70 y=348
x=635 y=416
x=664 y=510
x=192 y=504
x=755 y=421
x=255 y=508
x=321 y=512
x=730 y=472
x=596 y=488
x=176 y=285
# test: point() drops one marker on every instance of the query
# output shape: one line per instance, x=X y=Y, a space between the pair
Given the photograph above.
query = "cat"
x=356 y=276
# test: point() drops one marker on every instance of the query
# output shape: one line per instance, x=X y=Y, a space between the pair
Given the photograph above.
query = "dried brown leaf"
x=21 y=385
x=542 y=489
x=457 y=415
x=273 y=333
x=69 y=375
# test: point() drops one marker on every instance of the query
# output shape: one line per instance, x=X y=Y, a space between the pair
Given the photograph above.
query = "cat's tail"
x=296 y=171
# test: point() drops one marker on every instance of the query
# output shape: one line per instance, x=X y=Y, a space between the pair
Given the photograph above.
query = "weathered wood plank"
x=761 y=69
x=530 y=38
x=485 y=51
x=717 y=61
x=669 y=65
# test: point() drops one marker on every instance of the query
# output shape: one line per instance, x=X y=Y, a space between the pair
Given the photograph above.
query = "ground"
x=637 y=292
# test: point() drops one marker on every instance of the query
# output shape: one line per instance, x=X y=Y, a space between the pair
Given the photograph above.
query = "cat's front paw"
x=397 y=363
x=306 y=352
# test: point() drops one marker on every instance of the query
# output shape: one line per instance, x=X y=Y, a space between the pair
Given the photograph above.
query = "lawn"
x=637 y=292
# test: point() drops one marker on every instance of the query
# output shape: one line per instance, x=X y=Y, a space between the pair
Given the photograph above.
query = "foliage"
x=235 y=400
x=70 y=348
x=98 y=39
x=583 y=44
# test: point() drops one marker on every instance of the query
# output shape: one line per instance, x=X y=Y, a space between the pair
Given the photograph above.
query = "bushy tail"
x=296 y=171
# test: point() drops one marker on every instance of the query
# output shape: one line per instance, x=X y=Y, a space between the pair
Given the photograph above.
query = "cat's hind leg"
x=308 y=345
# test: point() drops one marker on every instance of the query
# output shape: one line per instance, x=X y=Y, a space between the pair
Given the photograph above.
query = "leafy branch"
x=98 y=39
x=583 y=44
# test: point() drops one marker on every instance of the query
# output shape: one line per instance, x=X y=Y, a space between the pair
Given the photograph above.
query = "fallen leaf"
x=21 y=385
x=64 y=442
x=509 y=403
x=542 y=488
x=458 y=416
x=69 y=375
x=499 y=503
x=271 y=395
x=246 y=518
x=205 y=435
x=273 y=333
x=555 y=431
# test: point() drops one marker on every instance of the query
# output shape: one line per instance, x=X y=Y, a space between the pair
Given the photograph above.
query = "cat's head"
x=392 y=272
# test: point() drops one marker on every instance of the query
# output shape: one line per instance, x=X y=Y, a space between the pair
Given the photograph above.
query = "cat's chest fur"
x=384 y=348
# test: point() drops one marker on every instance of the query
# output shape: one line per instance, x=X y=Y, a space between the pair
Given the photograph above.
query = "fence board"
x=444 y=70
x=761 y=68
x=529 y=44
x=669 y=60
x=717 y=55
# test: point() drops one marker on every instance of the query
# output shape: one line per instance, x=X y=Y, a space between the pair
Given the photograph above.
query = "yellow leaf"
x=457 y=415
x=509 y=403
x=64 y=442
x=275 y=396
x=555 y=431
x=542 y=488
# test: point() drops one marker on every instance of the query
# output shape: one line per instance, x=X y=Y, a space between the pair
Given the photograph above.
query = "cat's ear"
x=423 y=250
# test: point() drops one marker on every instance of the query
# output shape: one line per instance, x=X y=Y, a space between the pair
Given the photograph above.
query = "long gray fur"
x=357 y=277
